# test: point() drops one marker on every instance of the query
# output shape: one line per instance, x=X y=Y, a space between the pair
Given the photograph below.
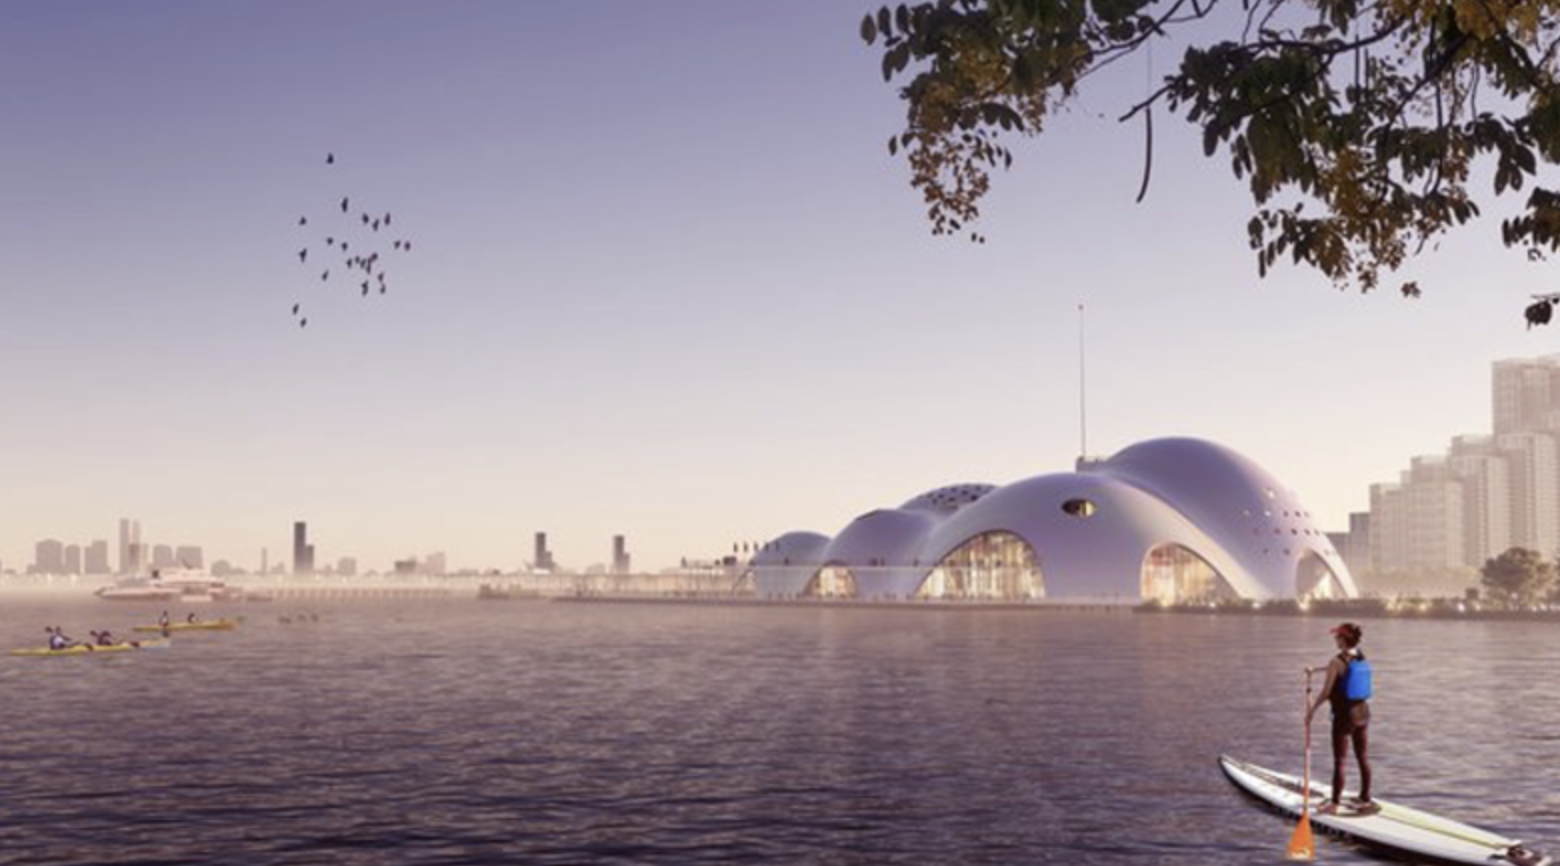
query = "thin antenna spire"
x=1083 y=406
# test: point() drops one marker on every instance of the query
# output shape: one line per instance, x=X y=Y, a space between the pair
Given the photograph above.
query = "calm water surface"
x=524 y=732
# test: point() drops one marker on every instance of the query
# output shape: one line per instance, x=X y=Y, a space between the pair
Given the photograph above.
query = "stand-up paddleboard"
x=1395 y=827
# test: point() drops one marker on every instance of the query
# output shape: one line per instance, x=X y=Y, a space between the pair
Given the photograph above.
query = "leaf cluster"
x=1354 y=124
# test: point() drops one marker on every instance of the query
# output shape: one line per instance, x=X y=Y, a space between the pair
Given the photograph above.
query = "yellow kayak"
x=212 y=625
x=89 y=650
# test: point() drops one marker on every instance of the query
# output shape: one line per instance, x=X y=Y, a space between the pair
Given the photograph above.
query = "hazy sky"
x=666 y=282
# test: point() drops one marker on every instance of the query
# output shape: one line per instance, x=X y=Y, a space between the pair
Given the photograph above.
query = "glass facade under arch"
x=1173 y=574
x=831 y=581
x=1314 y=578
x=993 y=566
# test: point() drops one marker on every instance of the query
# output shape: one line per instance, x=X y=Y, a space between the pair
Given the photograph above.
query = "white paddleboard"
x=1395 y=828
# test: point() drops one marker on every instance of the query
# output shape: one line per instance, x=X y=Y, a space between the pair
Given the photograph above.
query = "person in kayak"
x=1347 y=690
x=191 y=618
x=57 y=639
x=103 y=638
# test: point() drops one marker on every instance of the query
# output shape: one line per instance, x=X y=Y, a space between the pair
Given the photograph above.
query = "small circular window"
x=1079 y=508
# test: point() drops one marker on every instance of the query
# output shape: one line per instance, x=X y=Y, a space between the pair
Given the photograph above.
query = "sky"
x=666 y=282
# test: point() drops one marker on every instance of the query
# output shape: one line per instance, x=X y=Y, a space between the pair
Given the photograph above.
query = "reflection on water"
x=463 y=732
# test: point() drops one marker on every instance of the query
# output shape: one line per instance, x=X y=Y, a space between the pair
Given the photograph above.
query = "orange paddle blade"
x=1301 y=844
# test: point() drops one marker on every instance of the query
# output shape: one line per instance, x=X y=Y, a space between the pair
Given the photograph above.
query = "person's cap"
x=1347 y=628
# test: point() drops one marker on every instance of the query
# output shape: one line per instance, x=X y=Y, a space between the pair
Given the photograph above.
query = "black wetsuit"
x=1350 y=721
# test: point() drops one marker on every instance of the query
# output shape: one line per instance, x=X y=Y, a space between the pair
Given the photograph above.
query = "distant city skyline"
x=689 y=298
x=51 y=556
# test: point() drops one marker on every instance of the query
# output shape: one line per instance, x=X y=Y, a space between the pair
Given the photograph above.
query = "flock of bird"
x=362 y=268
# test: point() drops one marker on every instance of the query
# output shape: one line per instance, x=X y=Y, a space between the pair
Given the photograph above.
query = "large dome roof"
x=1178 y=505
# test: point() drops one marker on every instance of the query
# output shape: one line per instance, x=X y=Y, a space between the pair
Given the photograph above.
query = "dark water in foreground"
x=525 y=732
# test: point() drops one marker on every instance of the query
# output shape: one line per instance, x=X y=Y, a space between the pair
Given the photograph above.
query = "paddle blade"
x=1302 y=846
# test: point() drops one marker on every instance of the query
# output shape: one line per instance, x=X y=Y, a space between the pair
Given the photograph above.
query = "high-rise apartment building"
x=72 y=559
x=1488 y=493
x=1486 y=497
x=1526 y=394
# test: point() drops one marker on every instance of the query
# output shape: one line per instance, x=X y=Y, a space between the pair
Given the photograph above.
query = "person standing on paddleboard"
x=1347 y=689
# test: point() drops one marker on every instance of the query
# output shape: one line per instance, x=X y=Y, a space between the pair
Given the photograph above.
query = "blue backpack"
x=1356 y=680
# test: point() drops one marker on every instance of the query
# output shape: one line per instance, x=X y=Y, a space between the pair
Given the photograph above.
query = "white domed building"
x=1171 y=520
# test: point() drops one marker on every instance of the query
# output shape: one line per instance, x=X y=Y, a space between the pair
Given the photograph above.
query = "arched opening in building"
x=1314 y=578
x=1173 y=574
x=831 y=581
x=992 y=566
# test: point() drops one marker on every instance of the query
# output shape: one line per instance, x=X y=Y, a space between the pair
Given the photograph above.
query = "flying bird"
x=365 y=289
x=375 y=225
x=343 y=204
x=303 y=220
x=365 y=219
x=304 y=323
x=303 y=255
x=330 y=242
x=325 y=276
x=397 y=245
x=343 y=246
x=295 y=309
x=387 y=217
x=330 y=159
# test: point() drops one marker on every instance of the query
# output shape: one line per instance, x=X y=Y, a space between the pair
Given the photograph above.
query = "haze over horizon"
x=668 y=284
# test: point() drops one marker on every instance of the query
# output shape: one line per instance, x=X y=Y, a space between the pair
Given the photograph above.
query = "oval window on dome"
x=1079 y=508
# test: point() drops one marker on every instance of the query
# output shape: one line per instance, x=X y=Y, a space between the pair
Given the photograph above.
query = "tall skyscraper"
x=132 y=555
x=541 y=557
x=620 y=558
x=303 y=551
x=72 y=559
x=162 y=557
x=95 y=558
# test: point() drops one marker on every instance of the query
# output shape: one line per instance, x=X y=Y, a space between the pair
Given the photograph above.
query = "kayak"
x=213 y=625
x=1395 y=828
x=88 y=650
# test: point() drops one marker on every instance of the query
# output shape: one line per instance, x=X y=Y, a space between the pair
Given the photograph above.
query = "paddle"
x=1302 y=846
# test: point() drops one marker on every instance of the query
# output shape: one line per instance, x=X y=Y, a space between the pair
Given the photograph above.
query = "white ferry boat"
x=182 y=585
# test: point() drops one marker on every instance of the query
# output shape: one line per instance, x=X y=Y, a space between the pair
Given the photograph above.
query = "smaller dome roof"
x=947 y=500
x=791 y=548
